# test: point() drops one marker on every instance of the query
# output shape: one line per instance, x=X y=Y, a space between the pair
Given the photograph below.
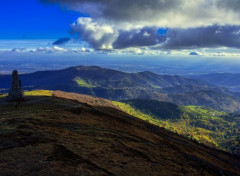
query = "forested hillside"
x=213 y=128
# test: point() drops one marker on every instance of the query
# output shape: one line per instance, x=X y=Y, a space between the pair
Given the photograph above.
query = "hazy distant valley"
x=173 y=65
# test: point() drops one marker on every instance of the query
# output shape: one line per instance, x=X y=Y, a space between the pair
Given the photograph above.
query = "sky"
x=138 y=27
x=30 y=19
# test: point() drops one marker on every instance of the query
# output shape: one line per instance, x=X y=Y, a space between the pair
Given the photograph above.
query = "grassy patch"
x=34 y=93
x=38 y=93
x=132 y=111
x=197 y=111
x=3 y=95
x=155 y=87
x=82 y=83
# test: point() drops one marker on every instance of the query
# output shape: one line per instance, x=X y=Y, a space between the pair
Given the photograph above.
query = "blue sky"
x=30 y=19
x=156 y=27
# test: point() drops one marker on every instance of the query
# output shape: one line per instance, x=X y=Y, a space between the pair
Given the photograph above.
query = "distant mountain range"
x=116 y=85
x=228 y=80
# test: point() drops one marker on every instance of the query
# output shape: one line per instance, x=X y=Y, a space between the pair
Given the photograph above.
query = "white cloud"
x=54 y=49
x=97 y=33
x=18 y=50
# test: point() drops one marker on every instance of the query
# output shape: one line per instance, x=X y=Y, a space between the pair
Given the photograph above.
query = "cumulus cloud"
x=57 y=49
x=18 y=50
x=49 y=49
x=99 y=35
x=102 y=36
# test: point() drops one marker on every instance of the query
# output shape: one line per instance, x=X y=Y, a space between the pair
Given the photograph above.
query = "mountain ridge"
x=228 y=80
x=103 y=73
x=116 y=85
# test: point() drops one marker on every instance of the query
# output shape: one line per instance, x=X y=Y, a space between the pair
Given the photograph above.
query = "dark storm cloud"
x=138 y=37
x=161 y=13
x=205 y=37
x=229 y=4
x=61 y=41
x=122 y=9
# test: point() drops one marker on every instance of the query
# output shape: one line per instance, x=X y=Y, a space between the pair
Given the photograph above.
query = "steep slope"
x=52 y=136
x=212 y=98
x=157 y=109
x=208 y=126
x=216 y=98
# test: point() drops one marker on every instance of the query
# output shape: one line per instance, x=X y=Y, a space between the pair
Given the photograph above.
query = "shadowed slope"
x=52 y=136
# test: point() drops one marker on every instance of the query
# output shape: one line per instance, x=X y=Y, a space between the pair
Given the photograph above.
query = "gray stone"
x=16 y=92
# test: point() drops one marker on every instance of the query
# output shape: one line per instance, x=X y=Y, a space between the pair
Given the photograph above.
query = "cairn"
x=16 y=92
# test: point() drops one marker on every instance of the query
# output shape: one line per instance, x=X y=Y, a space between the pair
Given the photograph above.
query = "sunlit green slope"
x=208 y=126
